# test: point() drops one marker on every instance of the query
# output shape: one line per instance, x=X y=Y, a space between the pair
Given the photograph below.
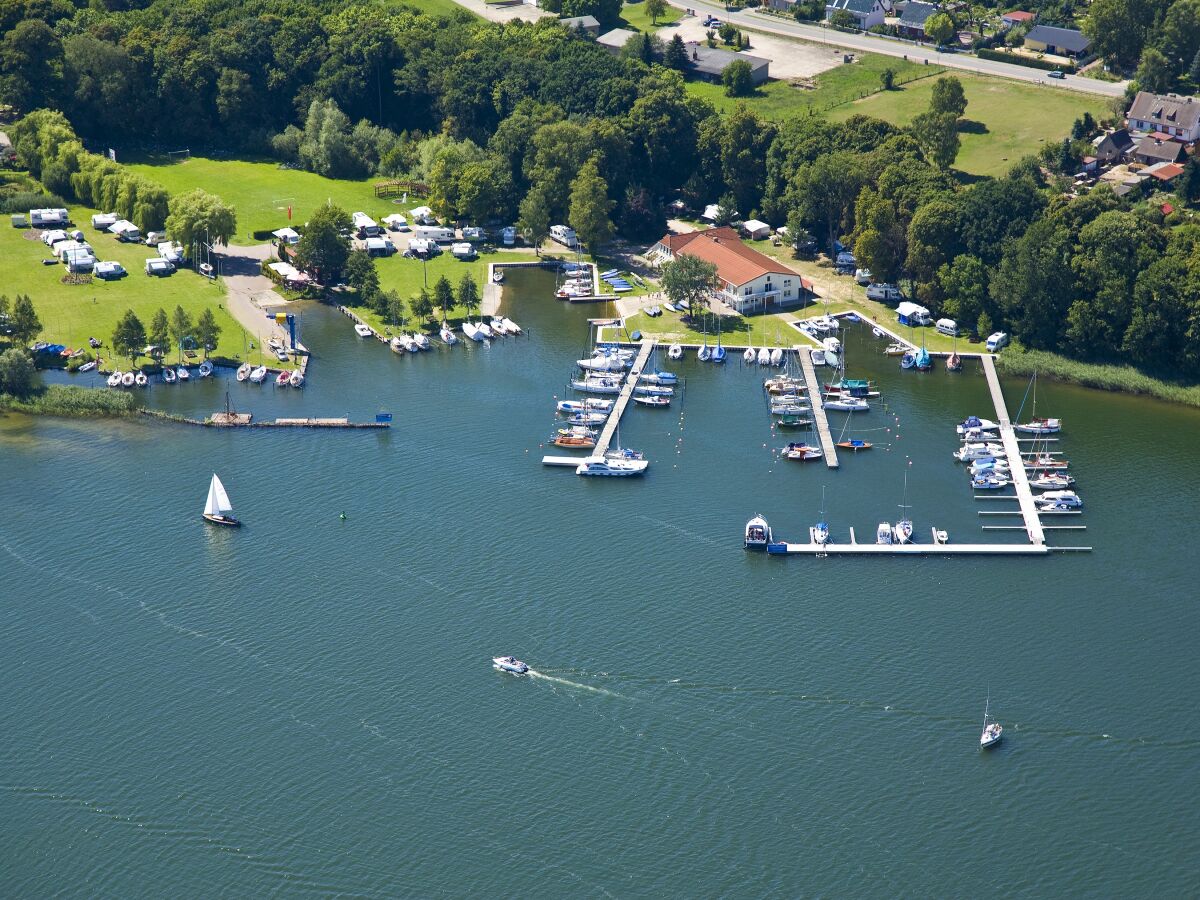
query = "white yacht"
x=512 y=326
x=363 y=331
x=764 y=357
x=484 y=329
x=883 y=534
x=611 y=468
x=1040 y=426
x=847 y=404
x=971 y=452
x=749 y=355
x=471 y=330
x=1058 y=500
x=974 y=422
x=758 y=534
x=257 y=376
x=588 y=405
x=1052 y=480
x=397 y=344
x=509 y=664
x=244 y=371
x=777 y=356
x=421 y=340
x=818 y=357
x=217 y=508
x=993 y=732
x=602 y=364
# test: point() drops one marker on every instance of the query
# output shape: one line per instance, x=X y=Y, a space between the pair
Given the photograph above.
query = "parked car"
x=1056 y=74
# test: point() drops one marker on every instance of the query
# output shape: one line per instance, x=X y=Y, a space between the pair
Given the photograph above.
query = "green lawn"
x=1005 y=120
x=434 y=7
x=781 y=99
x=261 y=192
x=71 y=314
x=634 y=17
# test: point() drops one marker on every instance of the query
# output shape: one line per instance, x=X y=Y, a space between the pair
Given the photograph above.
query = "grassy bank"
x=1016 y=361
x=73 y=402
x=634 y=17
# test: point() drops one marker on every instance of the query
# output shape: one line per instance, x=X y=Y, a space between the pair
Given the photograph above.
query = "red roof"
x=1167 y=172
x=736 y=263
x=1018 y=15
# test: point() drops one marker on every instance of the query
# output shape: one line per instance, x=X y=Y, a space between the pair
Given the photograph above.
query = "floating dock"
x=618 y=410
x=828 y=449
x=1020 y=480
x=853 y=548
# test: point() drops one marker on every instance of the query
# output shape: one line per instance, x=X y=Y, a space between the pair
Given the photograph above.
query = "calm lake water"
x=307 y=707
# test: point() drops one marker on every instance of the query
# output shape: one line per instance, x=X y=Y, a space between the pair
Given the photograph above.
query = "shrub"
x=24 y=201
x=1018 y=59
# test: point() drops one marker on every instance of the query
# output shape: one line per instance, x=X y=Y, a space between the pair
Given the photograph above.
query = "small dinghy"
x=183 y=373
x=854 y=445
x=363 y=331
x=653 y=401
x=217 y=507
x=258 y=375
x=297 y=379
x=284 y=379
x=675 y=351
x=128 y=379
x=140 y=379
x=447 y=336
x=818 y=357
x=206 y=369
x=243 y=371
x=509 y=664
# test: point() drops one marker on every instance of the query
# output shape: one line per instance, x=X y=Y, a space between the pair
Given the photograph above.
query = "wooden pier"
x=618 y=410
x=1020 y=480
x=828 y=449
x=853 y=548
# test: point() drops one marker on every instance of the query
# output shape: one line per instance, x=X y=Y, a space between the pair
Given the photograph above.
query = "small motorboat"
x=1040 y=426
x=206 y=369
x=854 y=445
x=509 y=664
x=588 y=418
x=498 y=275
x=243 y=371
x=421 y=340
x=971 y=452
x=974 y=423
x=777 y=356
x=128 y=379
x=902 y=533
x=941 y=536
x=363 y=331
x=675 y=351
x=447 y=336
x=749 y=355
x=484 y=329
x=800 y=452
x=114 y=380
x=140 y=379
x=256 y=376
x=975 y=435
x=577 y=406
x=908 y=360
x=297 y=379
x=989 y=465
x=653 y=401
x=577 y=438
x=217 y=507
x=611 y=468
x=986 y=482
x=284 y=379
x=411 y=344
x=168 y=375
x=818 y=357
x=1058 y=500
x=757 y=534
x=847 y=404
x=183 y=373
x=1052 y=480
x=895 y=349
x=397 y=344
x=511 y=326
x=884 y=533
x=764 y=357
x=88 y=366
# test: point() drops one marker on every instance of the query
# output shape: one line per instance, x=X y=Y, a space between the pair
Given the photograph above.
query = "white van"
x=433 y=233
x=508 y=236
x=996 y=341
x=565 y=235
x=947 y=326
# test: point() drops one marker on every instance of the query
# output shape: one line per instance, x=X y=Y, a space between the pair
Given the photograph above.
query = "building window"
x=787 y=293
x=747 y=292
x=787 y=281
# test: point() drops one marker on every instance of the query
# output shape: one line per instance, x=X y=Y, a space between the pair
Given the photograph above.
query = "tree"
x=689 y=278
x=361 y=274
x=963 y=284
x=1188 y=185
x=1194 y=71
x=534 y=219
x=322 y=249
x=642 y=217
x=1179 y=34
x=160 y=332
x=18 y=377
x=676 y=56
x=607 y=11
x=443 y=296
x=391 y=305
x=727 y=32
x=937 y=133
x=468 y=293
x=727 y=211
x=1118 y=28
x=824 y=191
x=200 y=216
x=654 y=9
x=738 y=79
x=31 y=65
x=129 y=337
x=208 y=332
x=948 y=97
x=590 y=206
x=1155 y=73
x=939 y=28
x=843 y=20
x=23 y=321
x=422 y=305
x=887 y=79
x=181 y=329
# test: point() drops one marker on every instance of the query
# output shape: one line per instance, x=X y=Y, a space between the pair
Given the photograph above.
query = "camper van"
x=172 y=253
x=996 y=341
x=377 y=246
x=564 y=235
x=364 y=225
x=885 y=293
x=48 y=218
x=101 y=221
x=947 y=327
x=473 y=233
x=508 y=236
x=911 y=313
x=421 y=247
x=106 y=270
x=433 y=233
x=126 y=231
x=463 y=250
x=154 y=238
x=158 y=266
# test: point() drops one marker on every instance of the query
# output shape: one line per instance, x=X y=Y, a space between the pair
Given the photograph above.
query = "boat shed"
x=614 y=41
x=587 y=24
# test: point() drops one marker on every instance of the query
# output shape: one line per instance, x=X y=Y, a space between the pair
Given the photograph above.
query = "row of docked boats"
x=169 y=375
x=259 y=374
x=497 y=326
x=990 y=468
x=763 y=356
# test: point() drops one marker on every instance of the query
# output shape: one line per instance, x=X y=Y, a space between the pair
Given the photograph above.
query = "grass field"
x=434 y=7
x=71 y=314
x=634 y=17
x=261 y=192
x=782 y=100
x=1005 y=120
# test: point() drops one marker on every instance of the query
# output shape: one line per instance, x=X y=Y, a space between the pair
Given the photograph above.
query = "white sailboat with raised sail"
x=993 y=732
x=217 y=507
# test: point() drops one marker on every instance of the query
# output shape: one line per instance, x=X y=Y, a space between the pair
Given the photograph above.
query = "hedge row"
x=1019 y=59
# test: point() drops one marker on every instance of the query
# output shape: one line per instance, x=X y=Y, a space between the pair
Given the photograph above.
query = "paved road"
x=888 y=47
x=248 y=291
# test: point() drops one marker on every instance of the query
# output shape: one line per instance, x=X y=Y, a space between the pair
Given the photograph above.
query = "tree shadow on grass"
x=970 y=126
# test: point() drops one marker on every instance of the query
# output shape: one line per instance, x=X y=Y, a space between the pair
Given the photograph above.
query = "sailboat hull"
x=227 y=521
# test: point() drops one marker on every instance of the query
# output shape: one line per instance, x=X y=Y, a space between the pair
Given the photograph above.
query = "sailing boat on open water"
x=217 y=507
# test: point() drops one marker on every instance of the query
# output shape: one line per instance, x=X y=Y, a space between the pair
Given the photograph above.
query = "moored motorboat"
x=757 y=534
x=895 y=349
x=908 y=360
x=1058 y=500
x=206 y=369
x=509 y=664
x=611 y=468
x=421 y=340
x=969 y=452
x=675 y=351
x=114 y=380
x=284 y=379
x=217 y=508
x=801 y=452
x=256 y=376
x=168 y=375
x=297 y=378
x=1052 y=480
x=817 y=357
x=128 y=379
x=987 y=482
x=88 y=366
x=183 y=373
x=653 y=401
x=363 y=330
x=243 y=371
x=884 y=533
x=497 y=326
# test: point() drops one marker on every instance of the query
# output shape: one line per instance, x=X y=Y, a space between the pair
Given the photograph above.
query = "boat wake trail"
x=533 y=673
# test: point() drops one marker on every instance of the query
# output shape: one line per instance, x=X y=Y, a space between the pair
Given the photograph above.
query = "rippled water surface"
x=306 y=706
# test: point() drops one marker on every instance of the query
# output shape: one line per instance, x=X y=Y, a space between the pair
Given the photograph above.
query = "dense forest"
x=519 y=121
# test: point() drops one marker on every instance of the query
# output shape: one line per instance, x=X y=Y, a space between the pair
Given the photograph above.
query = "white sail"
x=218 y=501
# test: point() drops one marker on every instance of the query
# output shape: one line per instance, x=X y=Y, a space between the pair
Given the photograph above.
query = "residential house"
x=1057 y=41
x=869 y=13
x=589 y=24
x=1165 y=172
x=1017 y=17
x=1113 y=146
x=782 y=5
x=709 y=63
x=912 y=20
x=614 y=41
x=1150 y=150
x=749 y=281
x=1171 y=114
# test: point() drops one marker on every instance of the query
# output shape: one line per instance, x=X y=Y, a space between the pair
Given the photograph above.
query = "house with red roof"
x=750 y=281
x=1017 y=17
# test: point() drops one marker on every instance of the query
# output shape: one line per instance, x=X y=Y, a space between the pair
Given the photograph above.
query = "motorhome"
x=171 y=252
x=126 y=231
x=433 y=233
x=508 y=236
x=908 y=313
x=947 y=326
x=997 y=341
x=884 y=293
x=463 y=250
x=48 y=218
x=564 y=235
x=364 y=225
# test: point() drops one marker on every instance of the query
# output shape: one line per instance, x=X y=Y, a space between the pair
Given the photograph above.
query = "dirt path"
x=248 y=292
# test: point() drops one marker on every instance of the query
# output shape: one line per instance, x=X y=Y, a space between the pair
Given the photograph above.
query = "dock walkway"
x=631 y=380
x=1033 y=522
x=818 y=407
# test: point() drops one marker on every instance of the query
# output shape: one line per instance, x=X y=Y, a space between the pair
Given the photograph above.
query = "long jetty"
x=618 y=410
x=828 y=449
x=1008 y=436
